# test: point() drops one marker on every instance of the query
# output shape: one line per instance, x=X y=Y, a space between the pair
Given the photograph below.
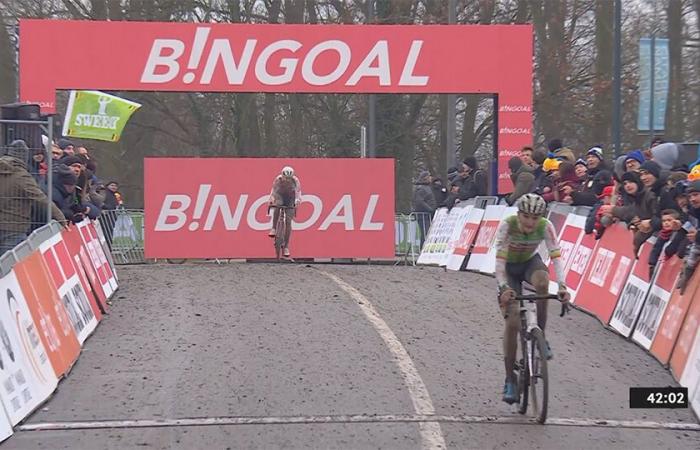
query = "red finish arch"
x=202 y=57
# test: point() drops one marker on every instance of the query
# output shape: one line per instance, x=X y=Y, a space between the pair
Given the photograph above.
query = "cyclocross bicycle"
x=281 y=232
x=532 y=368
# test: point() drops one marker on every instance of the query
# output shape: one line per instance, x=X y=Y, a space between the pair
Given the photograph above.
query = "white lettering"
x=235 y=73
x=252 y=219
x=317 y=205
x=220 y=203
x=344 y=205
x=380 y=52
x=167 y=211
x=307 y=68
x=367 y=224
x=157 y=59
x=289 y=64
x=407 y=76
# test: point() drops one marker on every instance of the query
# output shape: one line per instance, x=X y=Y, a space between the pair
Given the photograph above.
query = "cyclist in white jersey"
x=517 y=260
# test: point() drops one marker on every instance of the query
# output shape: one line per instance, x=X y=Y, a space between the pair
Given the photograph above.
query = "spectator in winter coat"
x=439 y=192
x=650 y=174
x=581 y=168
x=596 y=163
x=598 y=220
x=38 y=168
x=592 y=188
x=522 y=178
x=526 y=156
x=19 y=193
x=690 y=261
x=67 y=147
x=423 y=203
x=64 y=194
x=474 y=180
x=670 y=223
x=639 y=204
x=633 y=161
x=565 y=183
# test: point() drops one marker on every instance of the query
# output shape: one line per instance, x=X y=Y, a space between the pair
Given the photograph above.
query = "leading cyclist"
x=286 y=191
x=517 y=260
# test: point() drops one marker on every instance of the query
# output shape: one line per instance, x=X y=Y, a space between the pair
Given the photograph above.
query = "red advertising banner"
x=84 y=314
x=48 y=313
x=208 y=57
x=86 y=269
x=218 y=207
x=607 y=272
x=94 y=249
x=674 y=316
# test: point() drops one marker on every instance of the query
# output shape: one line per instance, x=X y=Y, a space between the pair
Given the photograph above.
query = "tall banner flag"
x=661 y=80
x=96 y=115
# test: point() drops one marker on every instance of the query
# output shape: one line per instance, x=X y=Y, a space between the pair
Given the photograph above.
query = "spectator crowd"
x=647 y=190
x=77 y=193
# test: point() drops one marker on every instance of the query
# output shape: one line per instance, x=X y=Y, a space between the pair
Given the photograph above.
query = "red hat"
x=607 y=191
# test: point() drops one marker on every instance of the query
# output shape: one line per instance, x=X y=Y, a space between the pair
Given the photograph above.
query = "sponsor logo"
x=179 y=211
x=515 y=108
x=601 y=266
x=99 y=120
x=279 y=62
x=508 y=130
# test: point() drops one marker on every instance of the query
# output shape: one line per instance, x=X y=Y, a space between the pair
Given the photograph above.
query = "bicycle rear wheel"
x=539 y=379
x=523 y=375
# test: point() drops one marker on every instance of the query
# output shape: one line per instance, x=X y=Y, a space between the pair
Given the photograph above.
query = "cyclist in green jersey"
x=517 y=260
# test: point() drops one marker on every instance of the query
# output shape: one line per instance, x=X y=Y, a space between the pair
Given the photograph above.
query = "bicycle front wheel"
x=539 y=379
x=523 y=375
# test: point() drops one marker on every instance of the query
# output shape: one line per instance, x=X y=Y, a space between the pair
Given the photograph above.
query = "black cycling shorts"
x=519 y=272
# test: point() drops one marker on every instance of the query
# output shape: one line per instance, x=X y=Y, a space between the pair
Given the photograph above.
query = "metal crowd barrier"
x=410 y=233
x=123 y=230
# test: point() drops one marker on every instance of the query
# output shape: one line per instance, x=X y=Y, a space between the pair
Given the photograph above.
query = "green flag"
x=96 y=115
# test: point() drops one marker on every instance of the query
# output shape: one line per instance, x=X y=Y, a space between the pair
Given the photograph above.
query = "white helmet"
x=532 y=204
x=287 y=171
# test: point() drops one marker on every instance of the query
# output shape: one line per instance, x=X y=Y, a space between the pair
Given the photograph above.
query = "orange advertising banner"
x=48 y=312
x=673 y=319
x=690 y=328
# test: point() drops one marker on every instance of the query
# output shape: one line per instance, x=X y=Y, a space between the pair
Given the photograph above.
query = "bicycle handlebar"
x=564 y=305
x=537 y=297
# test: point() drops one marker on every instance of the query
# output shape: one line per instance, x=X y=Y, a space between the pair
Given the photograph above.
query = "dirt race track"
x=328 y=356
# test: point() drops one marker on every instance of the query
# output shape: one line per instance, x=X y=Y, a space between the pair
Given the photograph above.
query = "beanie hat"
x=471 y=162
x=18 y=149
x=423 y=176
x=595 y=151
x=693 y=186
x=550 y=164
x=581 y=162
x=63 y=143
x=554 y=144
x=514 y=164
x=635 y=155
x=64 y=175
x=694 y=174
x=539 y=156
x=652 y=168
x=634 y=178
x=70 y=160
x=665 y=155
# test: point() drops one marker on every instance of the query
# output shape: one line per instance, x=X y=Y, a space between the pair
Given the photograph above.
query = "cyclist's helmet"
x=532 y=204
x=288 y=171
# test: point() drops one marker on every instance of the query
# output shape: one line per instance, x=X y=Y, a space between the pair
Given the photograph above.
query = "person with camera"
x=65 y=195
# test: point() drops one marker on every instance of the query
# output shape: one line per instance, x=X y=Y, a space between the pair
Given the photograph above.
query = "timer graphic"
x=659 y=397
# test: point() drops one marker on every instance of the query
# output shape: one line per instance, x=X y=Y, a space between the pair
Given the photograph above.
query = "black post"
x=617 y=79
x=372 y=106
